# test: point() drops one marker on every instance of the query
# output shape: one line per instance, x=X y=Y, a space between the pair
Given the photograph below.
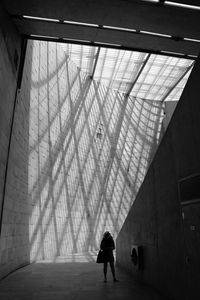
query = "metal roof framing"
x=95 y=62
x=138 y=75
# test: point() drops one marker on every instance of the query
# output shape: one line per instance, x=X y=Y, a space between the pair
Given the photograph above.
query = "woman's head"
x=106 y=234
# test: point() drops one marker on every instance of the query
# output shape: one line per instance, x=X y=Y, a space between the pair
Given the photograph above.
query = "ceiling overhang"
x=177 y=23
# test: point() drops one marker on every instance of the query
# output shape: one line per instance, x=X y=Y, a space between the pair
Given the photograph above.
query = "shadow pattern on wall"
x=89 y=150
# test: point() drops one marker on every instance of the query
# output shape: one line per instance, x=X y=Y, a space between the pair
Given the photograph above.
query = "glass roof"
x=149 y=77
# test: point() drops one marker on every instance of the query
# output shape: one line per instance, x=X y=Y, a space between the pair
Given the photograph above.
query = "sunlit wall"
x=89 y=150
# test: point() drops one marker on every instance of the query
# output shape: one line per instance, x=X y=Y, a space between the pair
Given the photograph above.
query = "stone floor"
x=71 y=278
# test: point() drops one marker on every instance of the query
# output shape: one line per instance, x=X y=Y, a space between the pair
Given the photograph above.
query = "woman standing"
x=107 y=246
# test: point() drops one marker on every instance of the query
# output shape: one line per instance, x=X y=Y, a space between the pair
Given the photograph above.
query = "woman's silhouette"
x=107 y=246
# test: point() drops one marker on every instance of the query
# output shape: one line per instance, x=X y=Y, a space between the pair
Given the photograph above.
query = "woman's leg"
x=105 y=270
x=112 y=267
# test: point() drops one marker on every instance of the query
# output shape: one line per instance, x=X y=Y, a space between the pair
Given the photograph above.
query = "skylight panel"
x=119 y=28
x=117 y=69
x=107 y=44
x=80 y=23
x=77 y=40
x=44 y=36
x=166 y=72
x=176 y=4
x=182 y=5
x=191 y=40
x=155 y=33
x=153 y=1
x=40 y=19
x=173 y=53
x=83 y=56
x=192 y=56
x=120 y=68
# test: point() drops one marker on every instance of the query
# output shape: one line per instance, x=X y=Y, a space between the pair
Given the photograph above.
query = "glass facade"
x=162 y=79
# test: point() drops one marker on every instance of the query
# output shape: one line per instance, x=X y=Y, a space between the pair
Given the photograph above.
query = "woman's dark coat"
x=108 y=245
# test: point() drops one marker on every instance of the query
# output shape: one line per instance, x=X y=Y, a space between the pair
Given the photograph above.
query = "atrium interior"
x=99 y=131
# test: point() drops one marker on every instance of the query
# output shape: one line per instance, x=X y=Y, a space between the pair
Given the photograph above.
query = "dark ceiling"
x=155 y=18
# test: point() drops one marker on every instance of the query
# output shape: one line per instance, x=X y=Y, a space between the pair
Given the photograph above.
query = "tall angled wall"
x=155 y=220
x=10 y=43
x=79 y=154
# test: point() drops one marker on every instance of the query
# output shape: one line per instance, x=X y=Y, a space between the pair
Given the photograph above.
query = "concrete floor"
x=71 y=278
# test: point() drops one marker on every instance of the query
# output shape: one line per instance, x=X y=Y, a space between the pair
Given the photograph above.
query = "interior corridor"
x=99 y=131
x=75 y=277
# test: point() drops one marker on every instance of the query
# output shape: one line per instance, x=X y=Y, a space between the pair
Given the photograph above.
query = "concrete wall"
x=10 y=44
x=154 y=220
x=168 y=113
